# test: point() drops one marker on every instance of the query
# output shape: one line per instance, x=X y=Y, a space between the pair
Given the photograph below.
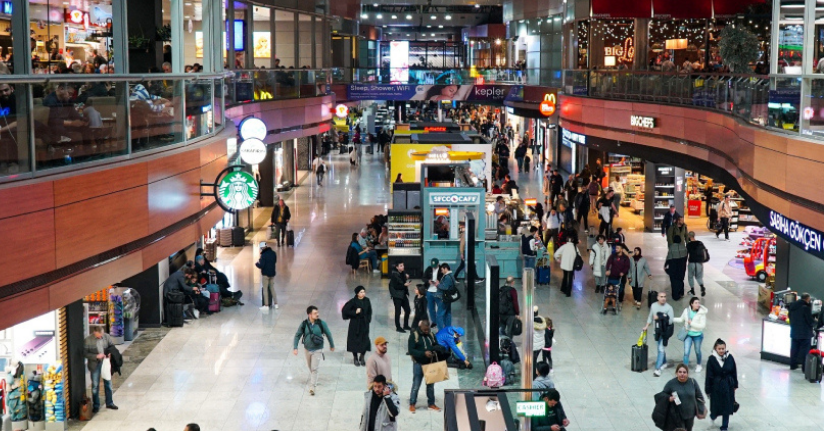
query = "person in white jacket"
x=694 y=319
x=566 y=255
x=598 y=256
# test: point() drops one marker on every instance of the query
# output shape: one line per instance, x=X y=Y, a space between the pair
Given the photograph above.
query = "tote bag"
x=435 y=372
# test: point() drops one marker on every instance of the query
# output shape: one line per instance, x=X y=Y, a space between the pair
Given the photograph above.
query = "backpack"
x=321 y=168
x=494 y=377
x=505 y=305
x=593 y=188
x=508 y=369
x=706 y=254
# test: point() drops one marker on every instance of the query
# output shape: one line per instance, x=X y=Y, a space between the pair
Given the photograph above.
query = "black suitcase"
x=174 y=315
x=290 y=238
x=813 y=368
x=652 y=298
x=343 y=149
x=238 y=236
x=639 y=358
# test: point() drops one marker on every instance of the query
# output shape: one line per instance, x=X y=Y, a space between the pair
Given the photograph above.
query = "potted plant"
x=738 y=48
x=164 y=34
x=138 y=42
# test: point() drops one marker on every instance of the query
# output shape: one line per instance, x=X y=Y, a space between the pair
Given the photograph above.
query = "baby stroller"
x=611 y=296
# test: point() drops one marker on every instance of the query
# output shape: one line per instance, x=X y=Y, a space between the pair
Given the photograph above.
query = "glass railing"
x=255 y=85
x=53 y=124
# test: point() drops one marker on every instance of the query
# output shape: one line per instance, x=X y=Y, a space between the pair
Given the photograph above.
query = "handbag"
x=579 y=261
x=683 y=333
x=700 y=407
x=435 y=372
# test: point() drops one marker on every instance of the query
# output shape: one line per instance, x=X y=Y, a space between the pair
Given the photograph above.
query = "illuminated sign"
x=253 y=151
x=547 y=107
x=399 y=62
x=569 y=138
x=531 y=202
x=624 y=53
x=453 y=198
x=7 y=7
x=530 y=408
x=479 y=80
x=236 y=190
x=807 y=238
x=341 y=111
x=253 y=127
x=441 y=211
x=434 y=129
x=76 y=16
x=642 y=122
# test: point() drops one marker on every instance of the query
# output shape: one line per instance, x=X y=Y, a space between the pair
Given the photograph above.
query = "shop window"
x=70 y=37
x=790 y=37
x=193 y=35
x=262 y=37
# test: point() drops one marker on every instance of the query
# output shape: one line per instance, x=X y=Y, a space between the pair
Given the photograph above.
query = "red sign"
x=76 y=17
x=547 y=107
x=434 y=129
x=694 y=208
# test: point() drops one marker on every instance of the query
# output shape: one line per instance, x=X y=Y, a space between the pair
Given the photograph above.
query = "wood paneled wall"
x=792 y=165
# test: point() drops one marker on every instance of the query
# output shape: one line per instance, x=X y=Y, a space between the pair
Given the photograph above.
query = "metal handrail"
x=114 y=77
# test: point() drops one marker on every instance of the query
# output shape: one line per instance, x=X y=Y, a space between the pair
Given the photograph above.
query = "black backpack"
x=505 y=305
x=321 y=168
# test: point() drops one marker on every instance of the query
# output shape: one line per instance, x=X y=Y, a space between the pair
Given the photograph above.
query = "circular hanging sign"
x=547 y=107
x=237 y=190
x=341 y=111
x=252 y=151
x=252 y=127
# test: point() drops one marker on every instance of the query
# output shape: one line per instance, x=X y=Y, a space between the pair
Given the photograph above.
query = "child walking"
x=542 y=340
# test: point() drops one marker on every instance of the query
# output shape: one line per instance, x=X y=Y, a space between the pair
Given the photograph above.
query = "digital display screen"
x=399 y=61
x=775 y=338
x=240 y=35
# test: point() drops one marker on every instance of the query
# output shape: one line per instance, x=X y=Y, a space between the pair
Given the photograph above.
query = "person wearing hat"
x=358 y=311
x=430 y=274
x=267 y=263
x=379 y=363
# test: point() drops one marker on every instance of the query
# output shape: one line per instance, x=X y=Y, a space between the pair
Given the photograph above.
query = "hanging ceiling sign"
x=253 y=151
x=253 y=127
x=234 y=189
x=341 y=111
x=547 y=107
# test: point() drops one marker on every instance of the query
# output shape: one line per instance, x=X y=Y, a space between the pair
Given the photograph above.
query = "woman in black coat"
x=721 y=383
x=358 y=311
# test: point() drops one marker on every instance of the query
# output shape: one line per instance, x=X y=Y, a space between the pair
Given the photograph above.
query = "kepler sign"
x=642 y=122
x=453 y=198
x=804 y=237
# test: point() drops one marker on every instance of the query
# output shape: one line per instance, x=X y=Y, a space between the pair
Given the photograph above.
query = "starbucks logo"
x=237 y=190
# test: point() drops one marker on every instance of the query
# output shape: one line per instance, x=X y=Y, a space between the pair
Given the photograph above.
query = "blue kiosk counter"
x=444 y=210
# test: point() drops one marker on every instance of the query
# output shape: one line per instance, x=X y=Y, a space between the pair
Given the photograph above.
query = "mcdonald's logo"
x=547 y=107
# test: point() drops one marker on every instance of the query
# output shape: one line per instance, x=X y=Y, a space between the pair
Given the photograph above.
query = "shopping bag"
x=642 y=339
x=106 y=370
x=435 y=372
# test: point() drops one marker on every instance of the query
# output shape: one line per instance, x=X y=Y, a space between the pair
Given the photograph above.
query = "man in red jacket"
x=618 y=268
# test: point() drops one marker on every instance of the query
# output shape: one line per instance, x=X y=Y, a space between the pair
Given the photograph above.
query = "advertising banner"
x=402 y=161
x=399 y=61
x=435 y=93
x=694 y=208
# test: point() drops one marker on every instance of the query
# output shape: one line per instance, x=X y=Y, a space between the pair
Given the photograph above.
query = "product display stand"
x=55 y=400
x=116 y=317
x=664 y=187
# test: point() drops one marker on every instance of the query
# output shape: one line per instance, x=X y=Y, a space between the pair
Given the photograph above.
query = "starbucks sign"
x=236 y=190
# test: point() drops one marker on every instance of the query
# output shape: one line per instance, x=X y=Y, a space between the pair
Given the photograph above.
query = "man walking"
x=311 y=331
x=94 y=347
x=606 y=211
x=381 y=407
x=556 y=185
x=801 y=330
x=378 y=363
x=661 y=313
x=529 y=247
x=617 y=268
x=444 y=307
x=280 y=218
x=422 y=349
x=725 y=214
x=268 y=269
x=320 y=169
x=507 y=305
x=697 y=254
x=399 y=291
x=669 y=219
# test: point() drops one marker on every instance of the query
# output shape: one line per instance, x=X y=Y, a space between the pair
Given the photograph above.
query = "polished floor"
x=235 y=371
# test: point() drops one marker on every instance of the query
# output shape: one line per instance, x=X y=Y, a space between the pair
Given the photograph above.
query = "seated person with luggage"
x=174 y=293
x=450 y=338
x=208 y=274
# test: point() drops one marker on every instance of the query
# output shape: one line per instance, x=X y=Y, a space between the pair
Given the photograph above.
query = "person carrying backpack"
x=320 y=169
x=697 y=254
x=507 y=305
x=311 y=331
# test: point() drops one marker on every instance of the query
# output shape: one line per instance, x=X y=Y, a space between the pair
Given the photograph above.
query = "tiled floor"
x=234 y=370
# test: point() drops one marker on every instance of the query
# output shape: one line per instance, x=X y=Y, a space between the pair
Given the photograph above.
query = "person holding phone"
x=381 y=407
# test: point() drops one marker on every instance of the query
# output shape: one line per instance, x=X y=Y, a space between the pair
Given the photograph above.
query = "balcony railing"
x=52 y=123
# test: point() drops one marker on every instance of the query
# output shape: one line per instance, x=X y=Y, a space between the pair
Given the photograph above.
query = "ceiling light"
x=380 y=16
x=394 y=17
x=188 y=3
x=429 y=26
x=364 y=16
x=433 y=34
x=477 y=6
x=440 y=26
x=375 y=4
x=432 y=17
x=409 y=17
x=407 y=35
x=448 y=17
x=186 y=17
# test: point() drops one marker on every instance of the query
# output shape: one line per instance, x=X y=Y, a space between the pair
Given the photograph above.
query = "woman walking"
x=690 y=399
x=358 y=311
x=721 y=383
x=694 y=319
x=566 y=255
x=638 y=267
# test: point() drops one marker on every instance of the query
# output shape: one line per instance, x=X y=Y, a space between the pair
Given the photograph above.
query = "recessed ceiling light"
x=394 y=17
x=375 y=4
x=407 y=35
x=188 y=3
x=433 y=35
x=429 y=26
x=379 y=16
x=432 y=17
x=409 y=17
x=440 y=26
x=477 y=6
x=364 y=16
x=186 y=17
x=448 y=17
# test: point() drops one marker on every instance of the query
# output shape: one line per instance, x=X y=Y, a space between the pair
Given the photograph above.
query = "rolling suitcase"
x=639 y=354
x=174 y=315
x=652 y=298
x=813 y=368
x=238 y=236
x=224 y=237
x=290 y=238
x=214 y=302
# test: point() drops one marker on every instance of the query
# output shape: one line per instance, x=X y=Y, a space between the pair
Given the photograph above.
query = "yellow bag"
x=642 y=339
x=550 y=249
x=435 y=372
